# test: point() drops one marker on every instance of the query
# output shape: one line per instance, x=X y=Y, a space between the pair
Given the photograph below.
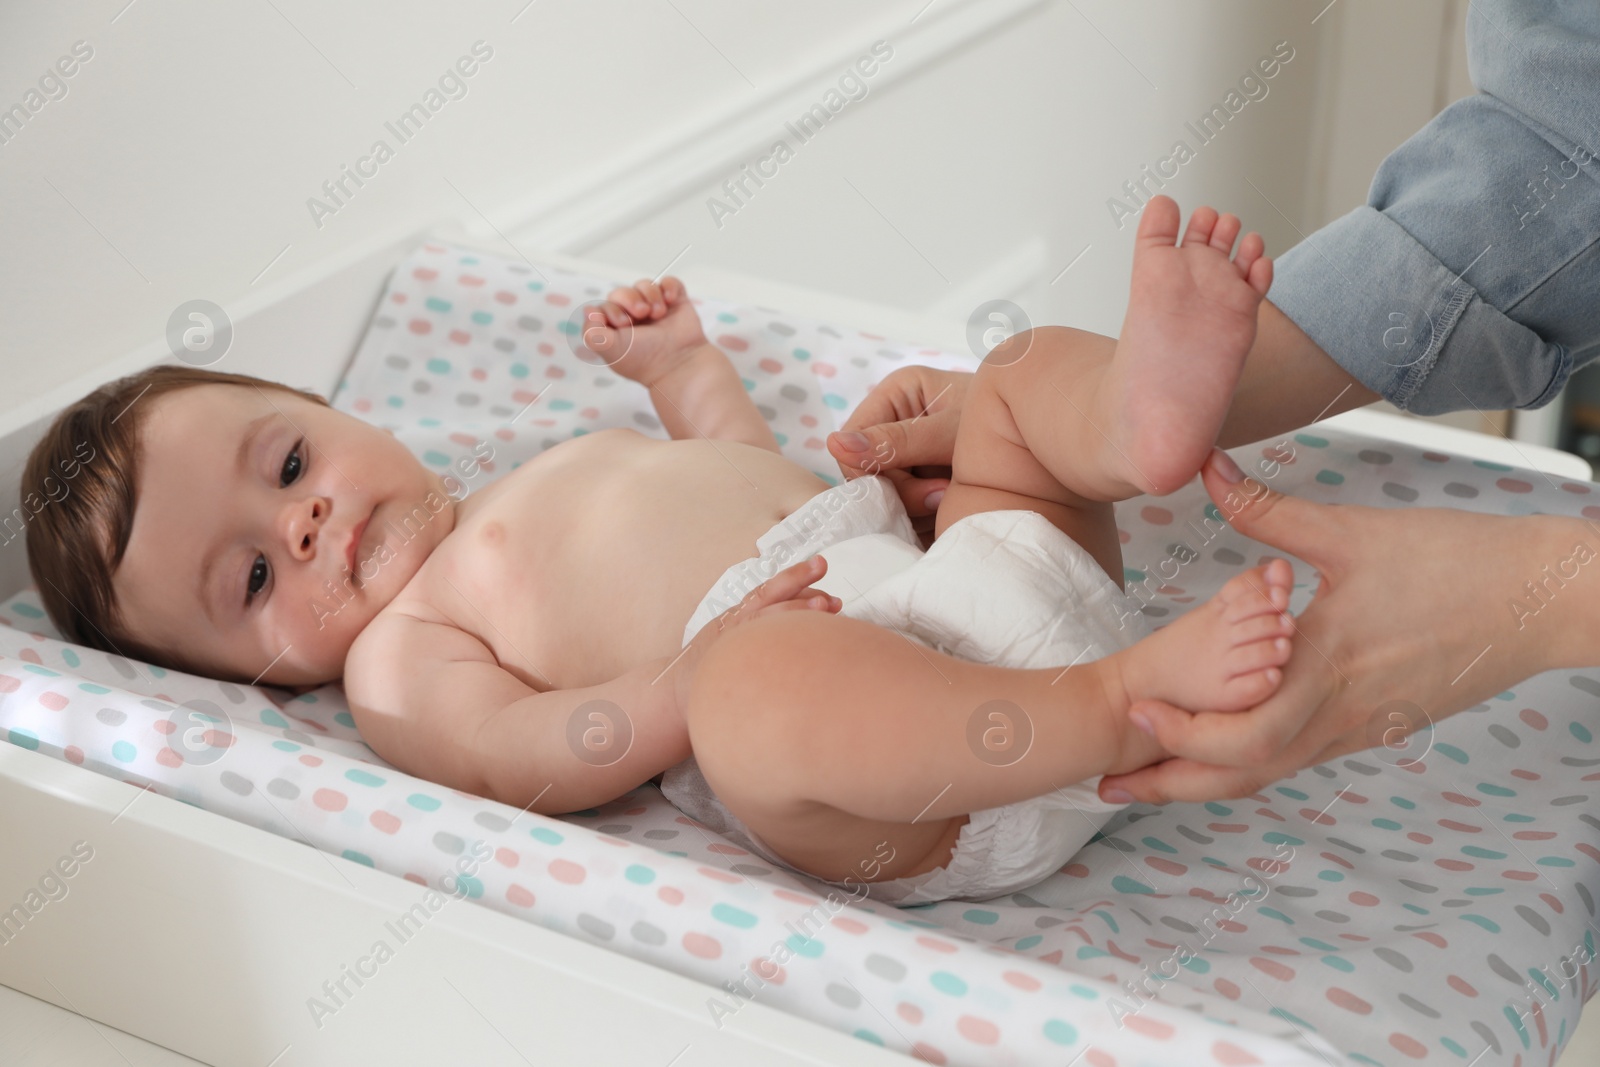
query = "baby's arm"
x=432 y=700
x=651 y=334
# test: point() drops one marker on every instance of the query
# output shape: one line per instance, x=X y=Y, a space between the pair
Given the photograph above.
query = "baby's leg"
x=850 y=750
x=1142 y=422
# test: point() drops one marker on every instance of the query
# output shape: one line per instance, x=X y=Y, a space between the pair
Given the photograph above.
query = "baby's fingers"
x=651 y=292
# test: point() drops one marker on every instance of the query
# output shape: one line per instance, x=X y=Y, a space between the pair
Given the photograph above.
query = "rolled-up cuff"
x=1408 y=327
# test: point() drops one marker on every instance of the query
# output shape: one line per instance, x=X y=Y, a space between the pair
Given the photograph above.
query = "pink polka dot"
x=9 y=684
x=1462 y=986
x=506 y=857
x=168 y=758
x=718 y=876
x=670 y=895
x=310 y=760
x=330 y=800
x=1166 y=866
x=768 y=971
x=53 y=701
x=425 y=274
x=417 y=878
x=850 y=926
x=1149 y=1027
x=553 y=371
x=1464 y=801
x=567 y=872
x=558 y=299
x=1534 y=719
x=824 y=370
x=74 y=754
x=1454 y=865
x=519 y=896
x=546 y=348
x=928 y=1054
x=1432 y=938
x=1515 y=485
x=1574 y=487
x=470 y=279
x=1232 y=1055
x=1096 y=1058
x=460 y=337
x=814 y=443
x=384 y=822
x=1272 y=968
x=363 y=404
x=505 y=298
x=33 y=657
x=1155 y=516
x=1226 y=988
x=808 y=421
x=590 y=413
x=1022 y=981
x=420 y=326
x=1409 y=1045
x=983 y=1032
x=1124 y=536
x=702 y=946
x=1348 y=1001
x=1075 y=870
x=796 y=898
x=771 y=366
x=479 y=374
x=909 y=1012
x=1365 y=900
x=935 y=944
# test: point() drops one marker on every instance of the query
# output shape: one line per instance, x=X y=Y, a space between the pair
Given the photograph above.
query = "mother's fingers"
x=1186 y=780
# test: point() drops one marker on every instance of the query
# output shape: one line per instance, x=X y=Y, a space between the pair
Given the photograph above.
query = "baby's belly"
x=579 y=581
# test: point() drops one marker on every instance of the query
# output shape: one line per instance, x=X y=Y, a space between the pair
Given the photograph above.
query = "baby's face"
x=252 y=504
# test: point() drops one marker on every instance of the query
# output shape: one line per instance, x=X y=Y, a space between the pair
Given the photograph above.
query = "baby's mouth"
x=353 y=556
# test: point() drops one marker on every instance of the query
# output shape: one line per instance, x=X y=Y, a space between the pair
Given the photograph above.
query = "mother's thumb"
x=1296 y=526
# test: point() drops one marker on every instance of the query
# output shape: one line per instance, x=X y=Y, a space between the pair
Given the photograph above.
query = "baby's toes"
x=1257 y=591
x=1224 y=233
x=1256 y=656
x=1262 y=627
x=1248 y=690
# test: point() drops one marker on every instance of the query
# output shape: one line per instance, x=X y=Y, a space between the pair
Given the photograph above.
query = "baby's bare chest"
x=575 y=572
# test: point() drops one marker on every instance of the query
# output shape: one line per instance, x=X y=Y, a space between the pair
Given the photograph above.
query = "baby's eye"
x=258 y=578
x=292 y=465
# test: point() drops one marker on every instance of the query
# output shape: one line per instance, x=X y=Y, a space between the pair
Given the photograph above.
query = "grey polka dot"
x=1504 y=969
x=420 y=386
x=383 y=322
x=111 y=716
x=519 y=268
x=236 y=783
x=299 y=738
x=792 y=392
x=1228 y=556
x=159 y=705
x=1342 y=843
x=467 y=400
x=660 y=835
x=1117 y=843
x=596 y=927
x=501 y=411
x=1588 y=900
x=1487 y=1035
x=123 y=667
x=782 y=329
x=447 y=842
x=1178 y=924
x=1417 y=1006
x=232 y=692
x=829 y=331
x=1325 y=772
x=1361 y=768
x=490 y=821
x=548 y=443
x=1297 y=891
x=890 y=970
x=1403 y=493
x=1196 y=836
x=505 y=344
x=1393 y=958
x=751 y=870
x=282 y=789
x=892 y=353
x=1533 y=919
x=1333 y=916
x=1588 y=685
x=843 y=995
x=1372 y=455
x=858 y=361
x=768 y=412
x=647 y=420
x=528 y=322
x=646 y=934
x=397 y=362
x=605 y=383
x=1562 y=802
x=1574 y=761
x=1044 y=922
x=615 y=829
x=1396 y=854
x=1023 y=900
x=1155 y=612
x=1506 y=737
x=1457 y=489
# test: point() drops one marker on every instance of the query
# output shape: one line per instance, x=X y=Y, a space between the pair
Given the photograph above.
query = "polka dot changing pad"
x=1371 y=910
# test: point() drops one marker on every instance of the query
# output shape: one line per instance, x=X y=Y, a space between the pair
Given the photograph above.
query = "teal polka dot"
x=439 y=366
x=1123 y=884
x=473 y=887
x=1386 y=824
x=72 y=660
x=36 y=669
x=1339 y=964
x=1089 y=952
x=1482 y=891
x=270 y=717
x=24 y=738
x=123 y=752
x=981 y=916
x=1462 y=1052
x=1402 y=802
x=726 y=316
x=1213 y=513
x=561 y=405
x=468 y=260
x=1105 y=917
x=519 y=370
x=360 y=777
x=396 y=402
x=869 y=1037
x=1450 y=752
x=1218 y=809
x=1488 y=466
x=286 y=746
x=1495 y=790
x=1293 y=794
x=835 y=401
x=1327 y=477
x=1553 y=861
x=1415 y=908
x=567 y=327
x=159 y=672
x=1514 y=817
x=830 y=479
x=358 y=857
x=536 y=286
x=433 y=303
x=1274 y=837
x=27 y=611
x=1274 y=913
x=1311 y=440
x=639 y=875
x=801 y=354
x=423 y=802
x=1516 y=1020
x=546 y=835
x=1482 y=853
x=429 y=421
x=749 y=386
x=1083 y=991
x=726 y=913
x=1581 y=732
x=482 y=318
x=1331 y=876
x=782 y=438
x=1130 y=575
x=1028 y=942
x=344 y=718
x=1320 y=946
x=1478 y=920
x=87 y=687
x=1059 y=1032
x=945 y=982
x=437 y=459
x=1159 y=845
x=1197 y=965
x=809 y=947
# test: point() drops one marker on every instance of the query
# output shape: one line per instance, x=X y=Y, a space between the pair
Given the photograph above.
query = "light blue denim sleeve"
x=1471 y=278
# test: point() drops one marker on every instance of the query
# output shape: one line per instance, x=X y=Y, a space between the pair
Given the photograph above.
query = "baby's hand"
x=644 y=330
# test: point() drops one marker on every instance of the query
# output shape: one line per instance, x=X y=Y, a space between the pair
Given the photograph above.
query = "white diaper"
x=1000 y=587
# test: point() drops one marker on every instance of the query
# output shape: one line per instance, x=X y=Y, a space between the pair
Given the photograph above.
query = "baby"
x=528 y=643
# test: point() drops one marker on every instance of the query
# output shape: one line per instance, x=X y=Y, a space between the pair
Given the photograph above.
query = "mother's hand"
x=905 y=430
x=1410 y=624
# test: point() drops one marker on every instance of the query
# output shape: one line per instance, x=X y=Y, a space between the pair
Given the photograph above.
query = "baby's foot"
x=1224 y=655
x=1191 y=320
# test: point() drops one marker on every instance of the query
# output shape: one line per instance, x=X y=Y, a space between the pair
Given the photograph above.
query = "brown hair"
x=81 y=484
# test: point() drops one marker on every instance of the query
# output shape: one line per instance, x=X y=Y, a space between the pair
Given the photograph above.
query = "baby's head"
x=207 y=522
